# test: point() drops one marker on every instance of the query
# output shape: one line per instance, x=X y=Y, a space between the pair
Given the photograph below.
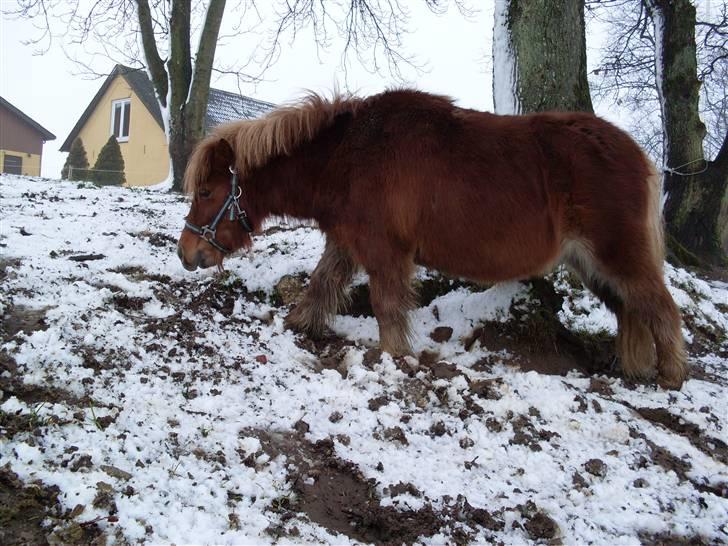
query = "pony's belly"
x=491 y=261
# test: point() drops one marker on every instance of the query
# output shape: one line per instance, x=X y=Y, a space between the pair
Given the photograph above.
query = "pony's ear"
x=222 y=155
x=212 y=155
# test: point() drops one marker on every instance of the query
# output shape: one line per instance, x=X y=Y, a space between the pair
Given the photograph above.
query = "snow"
x=659 y=25
x=184 y=408
x=505 y=93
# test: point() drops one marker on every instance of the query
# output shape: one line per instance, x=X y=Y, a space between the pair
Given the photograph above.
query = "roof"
x=222 y=105
x=225 y=106
x=45 y=133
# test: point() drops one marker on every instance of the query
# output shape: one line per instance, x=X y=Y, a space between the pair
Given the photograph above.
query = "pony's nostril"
x=180 y=252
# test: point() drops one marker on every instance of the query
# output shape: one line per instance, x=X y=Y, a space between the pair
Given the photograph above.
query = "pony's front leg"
x=390 y=292
x=326 y=293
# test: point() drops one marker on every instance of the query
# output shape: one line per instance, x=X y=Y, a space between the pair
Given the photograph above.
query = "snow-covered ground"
x=177 y=404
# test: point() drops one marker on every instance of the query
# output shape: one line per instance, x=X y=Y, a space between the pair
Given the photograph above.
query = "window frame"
x=125 y=106
x=13 y=157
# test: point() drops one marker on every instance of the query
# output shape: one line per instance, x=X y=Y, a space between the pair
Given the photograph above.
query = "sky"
x=453 y=49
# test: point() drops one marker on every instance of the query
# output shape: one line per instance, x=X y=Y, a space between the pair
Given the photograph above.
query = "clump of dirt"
x=124 y=302
x=25 y=508
x=537 y=341
x=330 y=349
x=140 y=274
x=290 y=288
x=156 y=239
x=526 y=434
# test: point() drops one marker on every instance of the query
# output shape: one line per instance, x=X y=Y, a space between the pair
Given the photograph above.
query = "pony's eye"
x=205 y=193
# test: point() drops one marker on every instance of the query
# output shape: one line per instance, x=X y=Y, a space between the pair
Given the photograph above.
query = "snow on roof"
x=225 y=106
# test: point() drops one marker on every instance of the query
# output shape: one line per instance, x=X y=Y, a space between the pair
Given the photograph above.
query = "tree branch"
x=179 y=64
x=200 y=88
x=151 y=54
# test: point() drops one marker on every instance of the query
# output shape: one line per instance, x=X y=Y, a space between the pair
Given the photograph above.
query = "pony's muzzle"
x=187 y=265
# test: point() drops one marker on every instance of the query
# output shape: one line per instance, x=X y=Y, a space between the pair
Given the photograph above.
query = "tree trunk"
x=696 y=210
x=540 y=54
x=182 y=87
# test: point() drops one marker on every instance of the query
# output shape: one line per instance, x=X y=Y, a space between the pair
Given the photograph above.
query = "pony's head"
x=217 y=223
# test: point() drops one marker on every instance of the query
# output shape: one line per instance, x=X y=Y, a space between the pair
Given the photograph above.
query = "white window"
x=120 y=117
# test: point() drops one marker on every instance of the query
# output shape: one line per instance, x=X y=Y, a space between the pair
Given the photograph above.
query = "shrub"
x=78 y=160
x=109 y=167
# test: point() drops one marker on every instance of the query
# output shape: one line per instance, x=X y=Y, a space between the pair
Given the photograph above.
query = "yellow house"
x=21 y=141
x=126 y=106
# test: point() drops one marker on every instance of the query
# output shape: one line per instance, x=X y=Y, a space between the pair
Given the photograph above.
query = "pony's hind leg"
x=327 y=291
x=649 y=321
x=634 y=344
x=650 y=303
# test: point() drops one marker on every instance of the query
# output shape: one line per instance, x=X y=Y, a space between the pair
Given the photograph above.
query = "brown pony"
x=406 y=177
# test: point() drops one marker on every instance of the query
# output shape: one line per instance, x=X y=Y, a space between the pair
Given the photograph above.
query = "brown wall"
x=18 y=136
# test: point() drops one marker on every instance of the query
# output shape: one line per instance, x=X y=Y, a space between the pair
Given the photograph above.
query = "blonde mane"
x=280 y=132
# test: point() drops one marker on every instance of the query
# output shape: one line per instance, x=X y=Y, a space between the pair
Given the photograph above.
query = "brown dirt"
x=712 y=447
x=537 y=341
x=25 y=508
x=675 y=540
x=335 y=494
x=664 y=458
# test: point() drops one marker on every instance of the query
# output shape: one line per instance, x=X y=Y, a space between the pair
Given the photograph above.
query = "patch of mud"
x=20 y=319
x=32 y=514
x=335 y=494
x=664 y=458
x=537 y=341
x=712 y=447
x=666 y=539
x=5 y=265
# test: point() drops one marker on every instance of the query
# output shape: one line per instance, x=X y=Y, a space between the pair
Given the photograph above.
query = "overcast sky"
x=454 y=50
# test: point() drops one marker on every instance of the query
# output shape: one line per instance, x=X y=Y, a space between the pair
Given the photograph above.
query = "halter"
x=209 y=231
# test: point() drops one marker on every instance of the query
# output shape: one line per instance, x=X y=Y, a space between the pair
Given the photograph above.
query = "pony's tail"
x=655 y=223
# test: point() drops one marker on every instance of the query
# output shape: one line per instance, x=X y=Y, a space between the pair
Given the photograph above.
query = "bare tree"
x=669 y=69
x=696 y=209
x=626 y=73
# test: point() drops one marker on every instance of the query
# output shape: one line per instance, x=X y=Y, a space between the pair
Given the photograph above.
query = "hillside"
x=145 y=404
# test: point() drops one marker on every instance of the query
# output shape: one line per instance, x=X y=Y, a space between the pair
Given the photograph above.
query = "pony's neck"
x=295 y=185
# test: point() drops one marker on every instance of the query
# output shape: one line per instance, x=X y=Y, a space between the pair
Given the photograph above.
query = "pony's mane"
x=281 y=131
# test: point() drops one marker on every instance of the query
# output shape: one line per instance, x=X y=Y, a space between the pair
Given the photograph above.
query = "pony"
x=407 y=178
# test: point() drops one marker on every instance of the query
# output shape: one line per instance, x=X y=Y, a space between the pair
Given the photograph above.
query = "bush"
x=109 y=167
x=76 y=159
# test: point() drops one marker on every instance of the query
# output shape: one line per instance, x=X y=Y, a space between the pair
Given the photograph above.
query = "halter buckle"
x=206 y=231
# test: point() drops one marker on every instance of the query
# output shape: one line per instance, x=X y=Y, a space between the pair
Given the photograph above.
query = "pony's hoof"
x=673 y=383
x=293 y=321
